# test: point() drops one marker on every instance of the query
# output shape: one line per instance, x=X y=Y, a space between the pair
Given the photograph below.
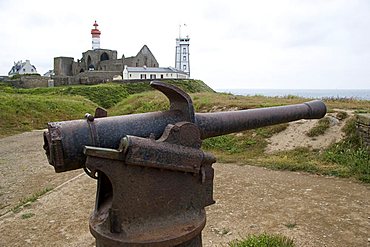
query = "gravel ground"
x=314 y=210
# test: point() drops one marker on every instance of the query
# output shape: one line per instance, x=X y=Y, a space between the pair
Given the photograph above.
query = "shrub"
x=319 y=129
x=342 y=115
x=263 y=240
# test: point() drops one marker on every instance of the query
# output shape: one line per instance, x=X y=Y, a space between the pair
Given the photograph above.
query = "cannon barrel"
x=222 y=123
x=64 y=142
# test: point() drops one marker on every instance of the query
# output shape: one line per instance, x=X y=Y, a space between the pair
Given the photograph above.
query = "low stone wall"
x=63 y=80
x=87 y=78
x=29 y=81
x=363 y=128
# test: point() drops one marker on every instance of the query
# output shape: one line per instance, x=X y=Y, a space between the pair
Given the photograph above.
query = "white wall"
x=27 y=68
x=137 y=75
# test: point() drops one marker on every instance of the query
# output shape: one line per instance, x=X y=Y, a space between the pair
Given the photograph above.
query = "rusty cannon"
x=153 y=179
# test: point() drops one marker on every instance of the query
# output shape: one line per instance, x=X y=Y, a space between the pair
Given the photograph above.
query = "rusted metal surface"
x=154 y=181
x=221 y=123
x=152 y=192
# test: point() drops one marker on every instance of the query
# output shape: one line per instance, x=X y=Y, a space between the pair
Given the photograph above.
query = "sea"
x=359 y=94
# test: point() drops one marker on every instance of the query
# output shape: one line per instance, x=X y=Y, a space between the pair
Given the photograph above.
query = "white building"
x=22 y=68
x=50 y=73
x=137 y=73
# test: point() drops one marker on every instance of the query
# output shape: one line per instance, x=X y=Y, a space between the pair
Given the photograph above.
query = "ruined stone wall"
x=30 y=82
x=144 y=58
x=363 y=128
x=64 y=80
x=92 y=58
x=111 y=65
x=63 y=66
x=97 y=66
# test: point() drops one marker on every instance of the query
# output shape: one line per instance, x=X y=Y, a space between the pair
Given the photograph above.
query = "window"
x=184 y=68
x=31 y=70
x=130 y=75
x=142 y=76
x=104 y=56
x=184 y=58
x=184 y=50
x=161 y=76
x=24 y=70
x=153 y=76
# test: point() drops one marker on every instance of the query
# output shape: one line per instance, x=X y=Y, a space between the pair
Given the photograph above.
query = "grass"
x=139 y=103
x=291 y=225
x=244 y=147
x=27 y=109
x=108 y=94
x=351 y=154
x=21 y=113
x=320 y=128
x=263 y=240
x=25 y=201
x=27 y=216
x=341 y=115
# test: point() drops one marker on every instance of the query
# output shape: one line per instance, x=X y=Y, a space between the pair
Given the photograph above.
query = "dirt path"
x=314 y=210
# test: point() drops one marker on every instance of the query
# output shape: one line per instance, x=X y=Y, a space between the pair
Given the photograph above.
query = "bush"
x=322 y=125
x=342 y=115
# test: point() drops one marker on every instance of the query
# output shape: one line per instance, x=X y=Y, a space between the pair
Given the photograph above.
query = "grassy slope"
x=26 y=109
x=21 y=113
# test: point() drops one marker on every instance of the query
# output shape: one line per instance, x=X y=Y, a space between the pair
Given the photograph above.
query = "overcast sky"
x=301 y=44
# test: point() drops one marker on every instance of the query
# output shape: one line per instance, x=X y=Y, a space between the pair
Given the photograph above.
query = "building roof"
x=154 y=70
x=19 y=65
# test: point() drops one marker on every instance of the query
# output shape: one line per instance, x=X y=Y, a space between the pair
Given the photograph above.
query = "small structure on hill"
x=143 y=73
x=21 y=68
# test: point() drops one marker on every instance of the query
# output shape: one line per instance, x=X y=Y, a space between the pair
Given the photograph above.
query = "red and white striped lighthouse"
x=95 y=33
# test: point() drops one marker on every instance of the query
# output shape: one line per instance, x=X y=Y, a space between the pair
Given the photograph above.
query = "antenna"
x=180 y=29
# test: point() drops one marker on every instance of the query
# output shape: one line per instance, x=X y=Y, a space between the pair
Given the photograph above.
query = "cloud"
x=237 y=43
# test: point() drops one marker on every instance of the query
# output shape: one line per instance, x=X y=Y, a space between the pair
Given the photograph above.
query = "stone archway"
x=104 y=56
x=88 y=60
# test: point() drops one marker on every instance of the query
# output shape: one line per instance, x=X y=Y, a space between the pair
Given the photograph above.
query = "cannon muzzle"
x=64 y=142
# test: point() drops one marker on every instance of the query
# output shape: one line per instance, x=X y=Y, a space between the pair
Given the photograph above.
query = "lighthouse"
x=182 y=53
x=95 y=34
